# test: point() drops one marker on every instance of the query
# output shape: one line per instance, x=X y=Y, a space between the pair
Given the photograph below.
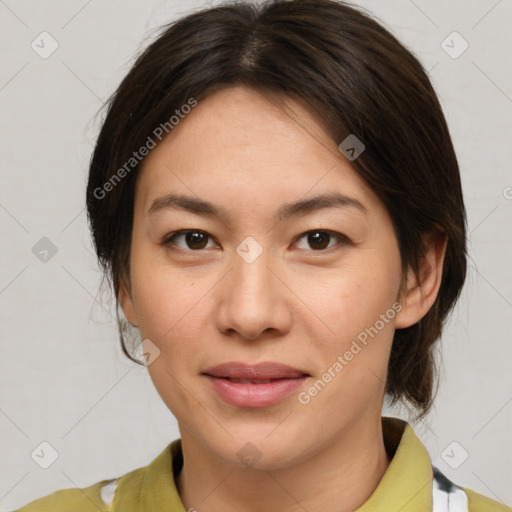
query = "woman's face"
x=313 y=288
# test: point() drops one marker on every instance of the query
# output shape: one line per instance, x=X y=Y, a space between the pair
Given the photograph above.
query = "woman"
x=276 y=200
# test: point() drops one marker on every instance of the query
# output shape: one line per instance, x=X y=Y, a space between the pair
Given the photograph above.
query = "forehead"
x=245 y=148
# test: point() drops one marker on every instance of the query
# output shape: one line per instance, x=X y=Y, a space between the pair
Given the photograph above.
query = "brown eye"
x=318 y=240
x=194 y=240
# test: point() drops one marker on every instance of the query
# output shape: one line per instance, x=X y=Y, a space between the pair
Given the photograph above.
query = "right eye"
x=194 y=239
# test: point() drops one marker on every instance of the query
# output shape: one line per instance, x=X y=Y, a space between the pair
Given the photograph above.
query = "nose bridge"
x=252 y=264
x=253 y=287
x=254 y=278
x=252 y=300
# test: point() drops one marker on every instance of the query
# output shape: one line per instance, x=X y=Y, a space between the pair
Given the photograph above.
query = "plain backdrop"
x=63 y=378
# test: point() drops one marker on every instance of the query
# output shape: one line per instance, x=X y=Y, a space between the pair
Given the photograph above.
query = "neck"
x=345 y=473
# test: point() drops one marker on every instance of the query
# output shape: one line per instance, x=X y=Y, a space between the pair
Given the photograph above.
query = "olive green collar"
x=406 y=486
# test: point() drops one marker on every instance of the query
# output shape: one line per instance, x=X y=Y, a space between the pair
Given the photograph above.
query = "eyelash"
x=168 y=240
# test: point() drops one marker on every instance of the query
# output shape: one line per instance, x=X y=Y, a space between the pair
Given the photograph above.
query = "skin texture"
x=203 y=305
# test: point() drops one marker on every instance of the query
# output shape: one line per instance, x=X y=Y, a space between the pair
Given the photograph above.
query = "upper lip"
x=266 y=370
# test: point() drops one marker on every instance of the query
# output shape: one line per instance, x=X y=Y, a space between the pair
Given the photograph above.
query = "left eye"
x=318 y=240
x=194 y=239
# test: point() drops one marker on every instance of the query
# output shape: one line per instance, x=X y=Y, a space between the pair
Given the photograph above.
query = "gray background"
x=63 y=378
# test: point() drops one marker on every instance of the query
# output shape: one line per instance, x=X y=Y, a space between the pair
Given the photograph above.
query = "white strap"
x=108 y=492
x=446 y=496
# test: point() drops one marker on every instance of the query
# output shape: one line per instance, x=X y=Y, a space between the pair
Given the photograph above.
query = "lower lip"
x=254 y=395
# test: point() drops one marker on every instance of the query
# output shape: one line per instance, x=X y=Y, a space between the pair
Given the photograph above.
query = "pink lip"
x=254 y=395
x=266 y=370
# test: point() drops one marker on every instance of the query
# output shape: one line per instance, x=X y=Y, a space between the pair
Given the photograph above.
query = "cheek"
x=357 y=305
x=351 y=297
x=166 y=298
x=353 y=357
x=171 y=313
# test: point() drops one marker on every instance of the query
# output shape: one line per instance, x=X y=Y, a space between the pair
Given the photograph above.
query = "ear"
x=421 y=290
x=125 y=300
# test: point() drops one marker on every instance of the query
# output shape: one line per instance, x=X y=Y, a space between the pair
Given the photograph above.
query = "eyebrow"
x=298 y=208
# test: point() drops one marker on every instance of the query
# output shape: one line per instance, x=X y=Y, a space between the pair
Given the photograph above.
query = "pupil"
x=316 y=239
x=193 y=238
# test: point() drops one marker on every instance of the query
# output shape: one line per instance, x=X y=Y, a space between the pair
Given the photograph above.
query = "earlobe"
x=422 y=289
x=126 y=303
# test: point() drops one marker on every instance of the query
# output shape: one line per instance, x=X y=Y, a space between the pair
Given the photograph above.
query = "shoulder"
x=448 y=496
x=480 y=503
x=96 y=497
x=116 y=494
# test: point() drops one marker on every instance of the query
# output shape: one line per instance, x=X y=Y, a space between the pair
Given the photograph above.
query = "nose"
x=254 y=300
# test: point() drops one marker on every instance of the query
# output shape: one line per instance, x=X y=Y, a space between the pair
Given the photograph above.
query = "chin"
x=255 y=449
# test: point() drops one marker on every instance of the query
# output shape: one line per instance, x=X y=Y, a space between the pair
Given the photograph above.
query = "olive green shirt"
x=408 y=485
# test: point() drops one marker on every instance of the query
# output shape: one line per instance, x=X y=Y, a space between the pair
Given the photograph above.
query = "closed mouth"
x=255 y=381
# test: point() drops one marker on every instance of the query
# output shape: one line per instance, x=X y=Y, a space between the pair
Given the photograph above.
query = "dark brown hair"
x=356 y=78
